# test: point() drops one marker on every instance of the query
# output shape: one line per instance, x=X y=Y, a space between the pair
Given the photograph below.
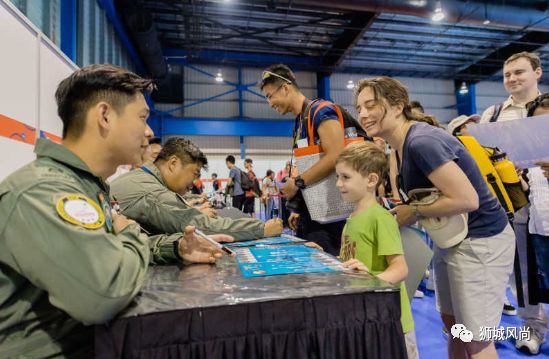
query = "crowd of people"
x=470 y=277
x=97 y=240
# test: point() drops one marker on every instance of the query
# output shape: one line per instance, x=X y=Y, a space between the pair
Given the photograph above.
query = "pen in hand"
x=214 y=243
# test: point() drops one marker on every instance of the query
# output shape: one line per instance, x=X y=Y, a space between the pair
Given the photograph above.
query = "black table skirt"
x=357 y=325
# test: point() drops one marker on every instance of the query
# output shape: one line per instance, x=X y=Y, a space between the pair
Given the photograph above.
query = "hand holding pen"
x=215 y=242
x=197 y=247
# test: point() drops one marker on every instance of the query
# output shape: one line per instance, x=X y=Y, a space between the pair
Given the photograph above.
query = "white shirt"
x=511 y=110
x=539 y=202
x=120 y=170
x=269 y=186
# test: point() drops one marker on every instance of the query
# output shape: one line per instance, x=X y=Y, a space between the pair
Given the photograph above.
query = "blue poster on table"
x=284 y=239
x=284 y=259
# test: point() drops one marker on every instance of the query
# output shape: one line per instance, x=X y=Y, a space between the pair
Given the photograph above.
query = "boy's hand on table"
x=313 y=245
x=273 y=227
x=356 y=265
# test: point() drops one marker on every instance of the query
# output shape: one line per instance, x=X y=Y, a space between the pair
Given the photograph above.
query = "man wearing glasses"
x=278 y=84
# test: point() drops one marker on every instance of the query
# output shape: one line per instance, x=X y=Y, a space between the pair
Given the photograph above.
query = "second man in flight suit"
x=153 y=196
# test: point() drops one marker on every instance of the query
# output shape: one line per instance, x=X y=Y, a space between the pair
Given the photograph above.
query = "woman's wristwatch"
x=300 y=183
x=415 y=210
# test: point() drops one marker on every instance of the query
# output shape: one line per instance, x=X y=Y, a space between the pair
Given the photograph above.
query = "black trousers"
x=284 y=212
x=328 y=236
x=238 y=201
x=249 y=205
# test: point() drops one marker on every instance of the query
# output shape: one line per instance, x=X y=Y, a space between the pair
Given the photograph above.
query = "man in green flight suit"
x=66 y=259
x=153 y=196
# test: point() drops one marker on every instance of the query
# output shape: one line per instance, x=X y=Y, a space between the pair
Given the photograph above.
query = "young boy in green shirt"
x=371 y=238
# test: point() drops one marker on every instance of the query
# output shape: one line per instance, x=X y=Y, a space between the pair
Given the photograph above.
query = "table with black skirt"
x=212 y=311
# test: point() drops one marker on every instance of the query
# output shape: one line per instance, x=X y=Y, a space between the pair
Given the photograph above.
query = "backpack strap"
x=305 y=114
x=310 y=124
x=497 y=111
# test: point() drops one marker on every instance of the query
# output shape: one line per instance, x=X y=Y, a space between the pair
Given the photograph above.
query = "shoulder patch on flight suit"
x=79 y=210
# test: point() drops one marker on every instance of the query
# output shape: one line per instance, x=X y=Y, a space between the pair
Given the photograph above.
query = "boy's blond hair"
x=365 y=158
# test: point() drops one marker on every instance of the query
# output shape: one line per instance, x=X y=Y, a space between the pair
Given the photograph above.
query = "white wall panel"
x=215 y=144
x=210 y=109
x=18 y=67
x=253 y=98
x=213 y=109
x=199 y=86
x=18 y=93
x=168 y=107
x=489 y=93
x=31 y=67
x=262 y=110
x=195 y=91
x=15 y=155
x=268 y=146
x=53 y=68
x=229 y=73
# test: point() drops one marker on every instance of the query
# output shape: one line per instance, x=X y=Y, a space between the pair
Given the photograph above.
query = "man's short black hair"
x=184 y=149
x=155 y=141
x=248 y=160
x=214 y=175
x=230 y=159
x=280 y=69
x=91 y=84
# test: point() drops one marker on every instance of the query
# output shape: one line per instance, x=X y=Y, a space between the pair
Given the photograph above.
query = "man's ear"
x=172 y=163
x=538 y=72
x=102 y=110
x=286 y=87
x=373 y=179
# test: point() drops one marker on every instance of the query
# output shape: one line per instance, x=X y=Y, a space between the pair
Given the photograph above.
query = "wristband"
x=415 y=210
x=176 y=248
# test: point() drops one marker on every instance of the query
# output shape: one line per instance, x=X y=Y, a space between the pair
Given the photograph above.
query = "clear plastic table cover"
x=201 y=285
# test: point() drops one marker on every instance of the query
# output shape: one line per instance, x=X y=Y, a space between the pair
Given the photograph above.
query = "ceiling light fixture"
x=418 y=3
x=438 y=14
x=350 y=84
x=219 y=77
x=463 y=89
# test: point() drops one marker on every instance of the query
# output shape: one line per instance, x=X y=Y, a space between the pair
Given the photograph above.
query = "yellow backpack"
x=507 y=190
